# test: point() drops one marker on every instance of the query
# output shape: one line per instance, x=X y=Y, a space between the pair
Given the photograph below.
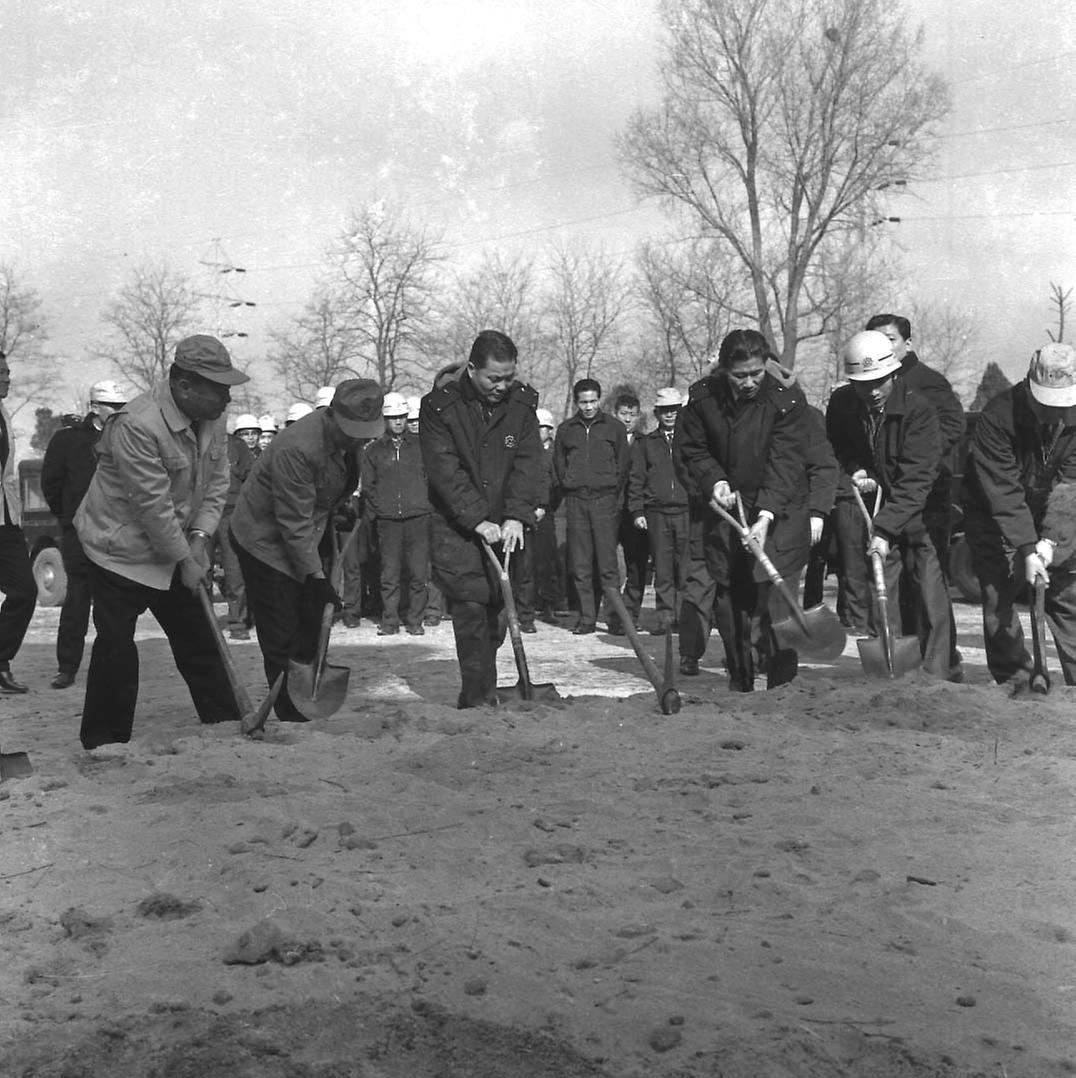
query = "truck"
x=42 y=531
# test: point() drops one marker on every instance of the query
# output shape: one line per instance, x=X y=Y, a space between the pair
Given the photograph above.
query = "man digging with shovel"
x=480 y=444
x=886 y=436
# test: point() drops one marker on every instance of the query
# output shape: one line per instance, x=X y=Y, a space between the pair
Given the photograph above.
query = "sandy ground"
x=839 y=877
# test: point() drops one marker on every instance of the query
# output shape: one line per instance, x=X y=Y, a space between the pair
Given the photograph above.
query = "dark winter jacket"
x=394 y=478
x=591 y=458
x=653 y=485
x=821 y=466
x=481 y=464
x=1014 y=461
x=759 y=447
x=240 y=460
x=934 y=387
x=68 y=467
x=903 y=456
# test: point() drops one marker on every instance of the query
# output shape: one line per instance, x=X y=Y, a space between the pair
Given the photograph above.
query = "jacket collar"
x=177 y=420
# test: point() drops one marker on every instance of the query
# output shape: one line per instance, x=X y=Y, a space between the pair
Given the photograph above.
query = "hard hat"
x=246 y=421
x=413 y=405
x=545 y=418
x=869 y=356
x=668 y=398
x=324 y=396
x=297 y=411
x=394 y=405
x=267 y=424
x=107 y=392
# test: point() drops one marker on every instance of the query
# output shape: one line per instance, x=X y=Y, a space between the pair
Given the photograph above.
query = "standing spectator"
x=16 y=575
x=548 y=563
x=1023 y=448
x=156 y=497
x=743 y=432
x=657 y=505
x=66 y=471
x=631 y=540
x=248 y=430
x=267 y=428
x=414 y=406
x=479 y=439
x=435 y=601
x=884 y=434
x=394 y=496
x=590 y=460
x=280 y=523
x=296 y=412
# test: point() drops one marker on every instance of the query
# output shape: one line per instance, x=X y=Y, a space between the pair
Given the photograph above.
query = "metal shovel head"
x=320 y=700
x=543 y=693
x=824 y=639
x=906 y=656
x=14 y=765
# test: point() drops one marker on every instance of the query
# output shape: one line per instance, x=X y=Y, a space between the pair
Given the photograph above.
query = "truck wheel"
x=50 y=577
x=962 y=574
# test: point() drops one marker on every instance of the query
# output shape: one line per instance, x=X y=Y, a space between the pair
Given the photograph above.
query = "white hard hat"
x=107 y=392
x=869 y=356
x=413 y=405
x=545 y=418
x=297 y=411
x=394 y=405
x=267 y=424
x=246 y=421
x=324 y=396
x=668 y=398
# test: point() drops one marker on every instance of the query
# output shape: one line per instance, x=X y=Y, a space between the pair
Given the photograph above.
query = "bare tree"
x=588 y=296
x=320 y=348
x=945 y=337
x=780 y=121
x=384 y=277
x=1061 y=301
x=154 y=310
x=23 y=335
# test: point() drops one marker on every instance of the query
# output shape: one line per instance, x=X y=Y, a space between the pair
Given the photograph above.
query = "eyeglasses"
x=107 y=404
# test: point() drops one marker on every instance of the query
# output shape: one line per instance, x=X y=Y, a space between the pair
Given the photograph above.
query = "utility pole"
x=223 y=276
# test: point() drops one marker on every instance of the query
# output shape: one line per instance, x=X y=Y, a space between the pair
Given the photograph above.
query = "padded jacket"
x=653 y=484
x=591 y=458
x=394 y=478
x=68 y=467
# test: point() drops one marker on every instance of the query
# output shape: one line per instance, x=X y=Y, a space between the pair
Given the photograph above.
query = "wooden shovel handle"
x=239 y=692
x=514 y=633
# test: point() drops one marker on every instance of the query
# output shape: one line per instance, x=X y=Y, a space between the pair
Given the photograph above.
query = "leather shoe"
x=62 y=680
x=528 y=628
x=9 y=684
x=689 y=665
x=583 y=628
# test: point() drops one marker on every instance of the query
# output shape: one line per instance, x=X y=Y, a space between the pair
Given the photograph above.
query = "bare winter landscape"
x=839 y=877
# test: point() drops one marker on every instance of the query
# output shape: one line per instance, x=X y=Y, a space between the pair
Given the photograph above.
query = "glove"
x=640 y=523
x=1035 y=570
x=321 y=593
x=863 y=482
x=723 y=494
x=817 y=523
x=1045 y=550
x=878 y=545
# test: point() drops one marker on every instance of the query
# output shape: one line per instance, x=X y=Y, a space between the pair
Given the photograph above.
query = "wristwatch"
x=198 y=531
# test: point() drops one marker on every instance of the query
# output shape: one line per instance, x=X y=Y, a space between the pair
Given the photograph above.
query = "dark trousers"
x=744 y=614
x=853 y=572
x=668 y=537
x=479 y=629
x=112 y=678
x=636 y=547
x=20 y=592
x=75 y=612
x=593 y=522
x=405 y=551
x=548 y=565
x=1001 y=576
x=233 y=590
x=522 y=575
x=697 y=602
x=287 y=623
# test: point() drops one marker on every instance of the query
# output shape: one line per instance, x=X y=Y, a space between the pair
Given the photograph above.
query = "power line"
x=1007 y=127
x=994 y=72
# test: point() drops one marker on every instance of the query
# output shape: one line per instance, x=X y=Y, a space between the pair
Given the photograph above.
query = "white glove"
x=864 y=483
x=878 y=545
x=1045 y=550
x=817 y=523
x=1035 y=570
x=723 y=494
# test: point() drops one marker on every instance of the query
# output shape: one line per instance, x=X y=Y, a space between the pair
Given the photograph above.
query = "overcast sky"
x=139 y=129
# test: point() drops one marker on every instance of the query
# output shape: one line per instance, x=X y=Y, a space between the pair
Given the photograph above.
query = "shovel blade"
x=782 y=667
x=906 y=657
x=542 y=693
x=824 y=638
x=14 y=765
x=317 y=701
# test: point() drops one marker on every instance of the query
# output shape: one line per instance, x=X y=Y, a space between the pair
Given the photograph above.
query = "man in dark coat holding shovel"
x=482 y=451
x=279 y=524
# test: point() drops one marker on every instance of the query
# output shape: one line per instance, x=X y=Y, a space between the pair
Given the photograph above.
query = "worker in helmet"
x=887 y=436
x=323 y=398
x=248 y=430
x=296 y=412
x=267 y=429
x=66 y=471
x=395 y=498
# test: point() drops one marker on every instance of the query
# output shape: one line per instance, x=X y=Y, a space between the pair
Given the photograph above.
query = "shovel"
x=523 y=689
x=14 y=765
x=884 y=657
x=250 y=718
x=815 y=632
x=1040 y=678
x=668 y=697
x=317 y=688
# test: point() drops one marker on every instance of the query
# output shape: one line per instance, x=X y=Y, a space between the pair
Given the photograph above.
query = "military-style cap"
x=205 y=355
x=356 y=407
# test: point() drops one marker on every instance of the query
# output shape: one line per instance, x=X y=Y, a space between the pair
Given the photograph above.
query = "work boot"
x=388 y=630
x=689 y=666
x=64 y=679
